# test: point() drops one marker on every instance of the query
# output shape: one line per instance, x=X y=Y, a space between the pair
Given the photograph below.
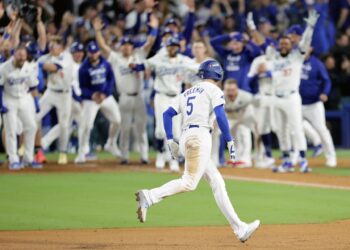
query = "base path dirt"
x=309 y=236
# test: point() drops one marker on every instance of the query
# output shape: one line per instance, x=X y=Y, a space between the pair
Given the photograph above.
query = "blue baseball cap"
x=167 y=31
x=127 y=39
x=170 y=21
x=263 y=20
x=295 y=29
x=92 y=47
x=173 y=41
x=238 y=37
x=77 y=47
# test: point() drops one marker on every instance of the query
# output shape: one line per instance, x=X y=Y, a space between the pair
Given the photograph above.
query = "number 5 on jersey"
x=190 y=105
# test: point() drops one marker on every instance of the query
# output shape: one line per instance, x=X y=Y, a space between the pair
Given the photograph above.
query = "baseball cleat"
x=34 y=165
x=113 y=149
x=15 y=166
x=266 y=163
x=144 y=162
x=317 y=151
x=90 y=157
x=160 y=162
x=285 y=167
x=332 y=163
x=143 y=205
x=80 y=159
x=304 y=166
x=174 y=166
x=243 y=164
x=40 y=157
x=249 y=230
x=62 y=159
x=124 y=162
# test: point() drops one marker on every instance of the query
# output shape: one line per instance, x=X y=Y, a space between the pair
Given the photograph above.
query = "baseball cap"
x=263 y=20
x=170 y=21
x=238 y=37
x=167 y=31
x=77 y=47
x=173 y=41
x=127 y=39
x=93 y=47
x=295 y=29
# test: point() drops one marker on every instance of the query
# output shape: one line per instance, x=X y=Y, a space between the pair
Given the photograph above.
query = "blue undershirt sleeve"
x=168 y=122
x=222 y=122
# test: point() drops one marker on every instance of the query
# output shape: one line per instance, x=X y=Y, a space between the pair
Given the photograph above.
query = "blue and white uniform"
x=314 y=82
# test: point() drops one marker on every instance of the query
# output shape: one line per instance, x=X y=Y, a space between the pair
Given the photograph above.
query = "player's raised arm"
x=152 y=35
x=304 y=44
x=42 y=39
x=257 y=38
x=98 y=26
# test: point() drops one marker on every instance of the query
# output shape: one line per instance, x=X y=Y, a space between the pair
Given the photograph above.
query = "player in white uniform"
x=170 y=69
x=286 y=66
x=197 y=106
x=240 y=114
x=18 y=82
x=77 y=53
x=130 y=85
x=58 y=64
x=263 y=109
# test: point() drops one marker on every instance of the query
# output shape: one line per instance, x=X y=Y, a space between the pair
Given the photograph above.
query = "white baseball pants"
x=54 y=132
x=289 y=122
x=110 y=109
x=19 y=110
x=195 y=145
x=133 y=112
x=63 y=104
x=311 y=134
x=315 y=114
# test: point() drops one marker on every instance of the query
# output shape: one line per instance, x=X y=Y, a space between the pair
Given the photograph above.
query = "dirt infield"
x=310 y=236
x=307 y=236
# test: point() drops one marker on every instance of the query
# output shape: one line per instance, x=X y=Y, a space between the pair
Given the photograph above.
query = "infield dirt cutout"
x=334 y=235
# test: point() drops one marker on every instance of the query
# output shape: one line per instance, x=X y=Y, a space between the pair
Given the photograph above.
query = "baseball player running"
x=315 y=86
x=130 y=87
x=58 y=65
x=286 y=68
x=18 y=82
x=170 y=69
x=96 y=81
x=196 y=106
x=77 y=53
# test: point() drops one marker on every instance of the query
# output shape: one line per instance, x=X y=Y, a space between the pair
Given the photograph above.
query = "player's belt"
x=170 y=95
x=285 y=94
x=60 y=90
x=132 y=94
x=196 y=126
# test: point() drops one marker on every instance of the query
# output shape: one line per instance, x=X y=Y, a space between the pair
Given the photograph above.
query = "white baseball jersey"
x=286 y=71
x=63 y=78
x=170 y=72
x=235 y=109
x=127 y=80
x=17 y=81
x=265 y=84
x=75 y=77
x=197 y=104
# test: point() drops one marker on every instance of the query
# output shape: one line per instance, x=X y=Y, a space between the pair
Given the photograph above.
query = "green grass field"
x=106 y=200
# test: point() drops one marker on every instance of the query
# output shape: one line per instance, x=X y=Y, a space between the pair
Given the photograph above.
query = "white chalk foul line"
x=284 y=182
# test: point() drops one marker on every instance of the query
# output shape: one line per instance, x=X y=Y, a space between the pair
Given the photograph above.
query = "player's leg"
x=160 y=105
x=27 y=116
x=141 y=132
x=126 y=105
x=50 y=137
x=313 y=138
x=315 y=113
x=63 y=108
x=10 y=120
x=217 y=184
x=110 y=108
x=244 y=145
x=89 y=112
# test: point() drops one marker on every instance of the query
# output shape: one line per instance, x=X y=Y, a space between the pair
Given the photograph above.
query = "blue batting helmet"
x=211 y=69
x=33 y=49
x=77 y=47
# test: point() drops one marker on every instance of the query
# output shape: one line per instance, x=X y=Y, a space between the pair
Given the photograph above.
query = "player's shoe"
x=143 y=204
x=266 y=163
x=160 y=161
x=249 y=230
x=285 y=167
x=331 y=162
x=40 y=157
x=174 y=165
x=15 y=166
x=144 y=162
x=304 y=166
x=80 y=159
x=90 y=157
x=113 y=149
x=317 y=151
x=243 y=164
x=33 y=164
x=124 y=162
x=62 y=159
